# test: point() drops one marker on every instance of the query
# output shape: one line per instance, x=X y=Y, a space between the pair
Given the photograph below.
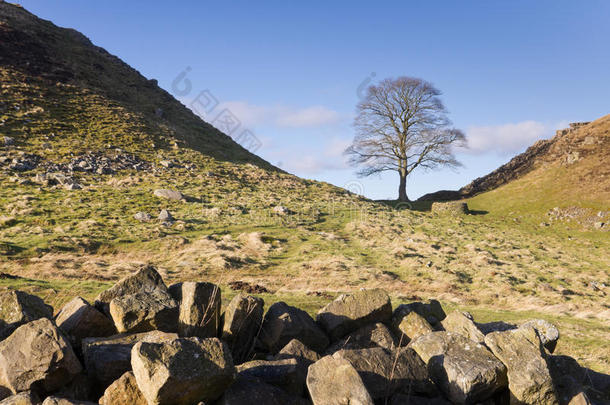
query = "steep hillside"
x=87 y=144
x=571 y=168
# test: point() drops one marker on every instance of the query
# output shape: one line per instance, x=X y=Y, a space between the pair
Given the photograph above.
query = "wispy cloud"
x=507 y=138
x=282 y=116
x=313 y=161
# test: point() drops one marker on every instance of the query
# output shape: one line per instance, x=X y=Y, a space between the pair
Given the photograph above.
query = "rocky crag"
x=142 y=342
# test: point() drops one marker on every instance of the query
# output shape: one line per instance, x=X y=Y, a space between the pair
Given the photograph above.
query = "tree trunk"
x=402 y=188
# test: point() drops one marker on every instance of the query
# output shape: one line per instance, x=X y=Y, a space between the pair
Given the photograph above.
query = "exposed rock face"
x=284 y=374
x=371 y=335
x=78 y=320
x=454 y=208
x=107 y=359
x=463 y=369
x=412 y=326
x=247 y=391
x=529 y=379
x=334 y=381
x=548 y=333
x=145 y=311
x=169 y=194
x=123 y=391
x=349 y=312
x=463 y=324
x=282 y=323
x=18 y=307
x=431 y=311
x=182 y=371
x=145 y=280
x=385 y=372
x=199 y=310
x=37 y=355
x=242 y=322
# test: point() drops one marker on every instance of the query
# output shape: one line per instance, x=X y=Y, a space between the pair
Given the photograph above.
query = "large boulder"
x=412 y=326
x=37 y=355
x=248 y=391
x=123 y=391
x=169 y=194
x=145 y=311
x=548 y=333
x=23 y=398
x=182 y=371
x=463 y=369
x=18 y=307
x=199 y=309
x=349 y=312
x=145 y=280
x=386 y=372
x=107 y=359
x=334 y=381
x=284 y=374
x=463 y=323
x=78 y=320
x=529 y=378
x=241 y=323
x=282 y=323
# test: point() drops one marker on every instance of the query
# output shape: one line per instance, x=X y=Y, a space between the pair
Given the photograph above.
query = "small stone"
x=142 y=216
x=165 y=216
x=169 y=194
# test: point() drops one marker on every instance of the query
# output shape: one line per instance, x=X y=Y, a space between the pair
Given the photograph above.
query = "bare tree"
x=401 y=125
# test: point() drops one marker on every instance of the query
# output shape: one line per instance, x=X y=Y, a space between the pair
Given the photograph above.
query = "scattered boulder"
x=18 y=307
x=241 y=323
x=8 y=141
x=548 y=333
x=412 y=326
x=37 y=355
x=463 y=323
x=349 y=312
x=108 y=358
x=169 y=194
x=453 y=208
x=521 y=350
x=463 y=369
x=371 y=335
x=199 y=310
x=282 y=323
x=334 y=381
x=284 y=374
x=165 y=216
x=145 y=311
x=78 y=319
x=385 y=372
x=142 y=217
x=248 y=391
x=182 y=371
x=123 y=391
x=432 y=311
x=281 y=210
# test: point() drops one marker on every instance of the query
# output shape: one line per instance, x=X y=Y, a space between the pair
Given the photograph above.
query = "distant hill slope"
x=55 y=81
x=575 y=163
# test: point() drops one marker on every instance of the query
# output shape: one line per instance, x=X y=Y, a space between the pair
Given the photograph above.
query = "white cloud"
x=307 y=117
x=310 y=162
x=507 y=138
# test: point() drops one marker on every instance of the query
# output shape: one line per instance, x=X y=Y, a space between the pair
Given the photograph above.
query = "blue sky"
x=511 y=71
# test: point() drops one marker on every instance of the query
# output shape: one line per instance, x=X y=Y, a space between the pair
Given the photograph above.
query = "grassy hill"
x=112 y=137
